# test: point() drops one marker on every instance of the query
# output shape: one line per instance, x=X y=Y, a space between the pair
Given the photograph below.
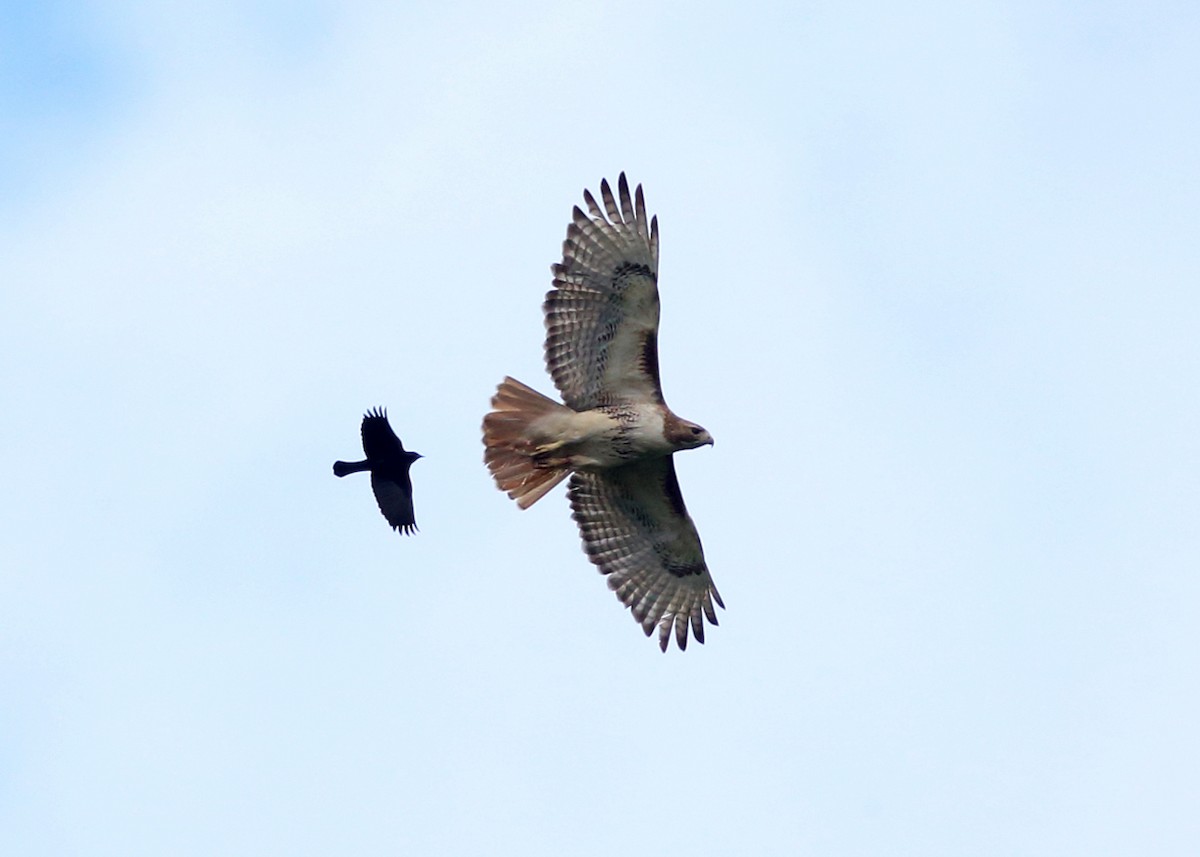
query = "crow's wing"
x=393 y=493
x=379 y=441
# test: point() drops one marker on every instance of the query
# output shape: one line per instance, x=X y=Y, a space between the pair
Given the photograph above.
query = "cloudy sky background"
x=930 y=275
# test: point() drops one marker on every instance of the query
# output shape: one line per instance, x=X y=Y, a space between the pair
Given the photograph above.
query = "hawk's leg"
x=545 y=459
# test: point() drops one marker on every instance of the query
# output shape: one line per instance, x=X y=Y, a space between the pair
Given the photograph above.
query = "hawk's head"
x=686 y=435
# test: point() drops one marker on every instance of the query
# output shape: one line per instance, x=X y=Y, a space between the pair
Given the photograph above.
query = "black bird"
x=388 y=461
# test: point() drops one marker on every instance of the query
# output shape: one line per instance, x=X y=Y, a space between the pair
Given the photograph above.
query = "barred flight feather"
x=634 y=536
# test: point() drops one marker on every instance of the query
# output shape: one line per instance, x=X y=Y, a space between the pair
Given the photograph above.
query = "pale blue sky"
x=930 y=276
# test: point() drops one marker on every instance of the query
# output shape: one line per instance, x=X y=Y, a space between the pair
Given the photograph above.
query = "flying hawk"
x=615 y=435
x=388 y=461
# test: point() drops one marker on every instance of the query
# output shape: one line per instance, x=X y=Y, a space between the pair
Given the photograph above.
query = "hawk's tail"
x=508 y=450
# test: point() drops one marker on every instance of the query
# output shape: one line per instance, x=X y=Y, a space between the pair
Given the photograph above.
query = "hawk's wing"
x=379 y=441
x=636 y=529
x=602 y=315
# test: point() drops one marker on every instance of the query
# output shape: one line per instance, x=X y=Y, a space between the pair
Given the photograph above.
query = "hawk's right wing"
x=636 y=529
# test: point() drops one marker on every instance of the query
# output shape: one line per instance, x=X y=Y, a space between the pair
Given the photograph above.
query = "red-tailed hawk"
x=615 y=435
x=388 y=461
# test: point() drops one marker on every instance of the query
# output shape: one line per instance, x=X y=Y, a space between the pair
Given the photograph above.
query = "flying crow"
x=388 y=462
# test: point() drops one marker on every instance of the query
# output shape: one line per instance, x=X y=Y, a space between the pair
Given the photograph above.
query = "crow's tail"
x=341 y=468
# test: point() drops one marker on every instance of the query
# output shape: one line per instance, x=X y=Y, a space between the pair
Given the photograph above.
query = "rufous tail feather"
x=508 y=451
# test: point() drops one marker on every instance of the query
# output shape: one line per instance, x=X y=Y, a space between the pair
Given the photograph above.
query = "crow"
x=388 y=461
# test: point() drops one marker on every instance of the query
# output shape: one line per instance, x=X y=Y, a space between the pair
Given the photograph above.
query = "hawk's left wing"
x=602 y=315
x=636 y=529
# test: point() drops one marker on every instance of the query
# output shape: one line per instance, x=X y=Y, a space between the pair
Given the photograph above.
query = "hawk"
x=388 y=461
x=614 y=436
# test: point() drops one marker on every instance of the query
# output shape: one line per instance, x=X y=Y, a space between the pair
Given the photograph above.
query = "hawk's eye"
x=696 y=430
